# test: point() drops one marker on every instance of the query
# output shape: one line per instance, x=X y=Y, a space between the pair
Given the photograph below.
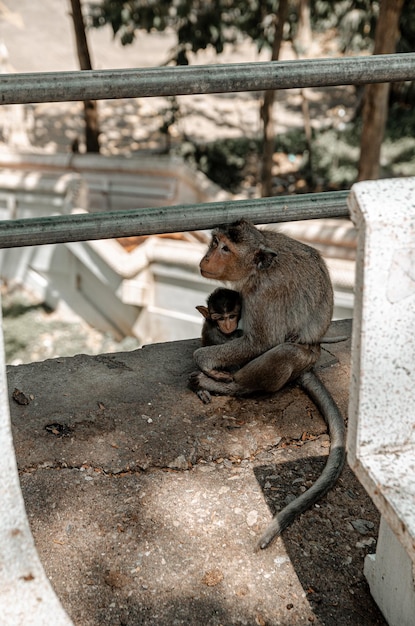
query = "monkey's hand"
x=226 y=357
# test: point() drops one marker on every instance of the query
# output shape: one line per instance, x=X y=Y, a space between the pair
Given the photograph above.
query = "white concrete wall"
x=26 y=596
x=381 y=429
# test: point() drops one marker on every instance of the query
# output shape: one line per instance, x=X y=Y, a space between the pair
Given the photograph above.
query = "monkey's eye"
x=225 y=248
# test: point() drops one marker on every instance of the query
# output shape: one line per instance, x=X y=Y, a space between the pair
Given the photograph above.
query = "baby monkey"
x=222 y=314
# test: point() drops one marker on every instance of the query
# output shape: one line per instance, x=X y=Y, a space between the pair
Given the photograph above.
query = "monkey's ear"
x=204 y=311
x=264 y=257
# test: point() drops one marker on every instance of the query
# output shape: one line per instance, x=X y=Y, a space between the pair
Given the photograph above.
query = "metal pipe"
x=149 y=221
x=235 y=77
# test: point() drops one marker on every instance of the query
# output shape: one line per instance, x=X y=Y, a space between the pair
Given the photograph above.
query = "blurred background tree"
x=199 y=25
x=90 y=106
x=375 y=108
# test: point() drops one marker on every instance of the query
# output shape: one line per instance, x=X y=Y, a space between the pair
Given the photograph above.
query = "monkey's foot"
x=200 y=382
x=204 y=395
x=220 y=375
x=194 y=381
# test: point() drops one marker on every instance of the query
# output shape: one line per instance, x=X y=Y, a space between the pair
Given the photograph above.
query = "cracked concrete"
x=146 y=505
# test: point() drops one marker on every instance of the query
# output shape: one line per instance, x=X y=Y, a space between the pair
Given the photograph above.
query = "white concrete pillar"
x=26 y=596
x=381 y=429
x=390 y=574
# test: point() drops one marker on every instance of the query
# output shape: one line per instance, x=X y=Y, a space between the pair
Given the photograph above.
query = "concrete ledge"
x=146 y=505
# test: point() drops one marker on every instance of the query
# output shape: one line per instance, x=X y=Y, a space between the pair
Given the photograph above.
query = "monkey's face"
x=223 y=260
x=227 y=322
x=236 y=253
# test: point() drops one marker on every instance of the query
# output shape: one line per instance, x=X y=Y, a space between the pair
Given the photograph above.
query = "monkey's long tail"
x=334 y=339
x=333 y=468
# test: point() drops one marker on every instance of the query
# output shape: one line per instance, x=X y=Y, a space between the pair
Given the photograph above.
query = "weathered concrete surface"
x=146 y=505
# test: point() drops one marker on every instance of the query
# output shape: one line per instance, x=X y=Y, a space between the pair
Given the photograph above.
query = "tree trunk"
x=304 y=34
x=301 y=45
x=90 y=106
x=375 y=107
x=267 y=104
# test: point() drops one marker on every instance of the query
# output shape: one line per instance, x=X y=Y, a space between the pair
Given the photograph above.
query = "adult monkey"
x=287 y=308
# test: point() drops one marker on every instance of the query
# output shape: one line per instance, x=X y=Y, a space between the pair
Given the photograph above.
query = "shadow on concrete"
x=322 y=542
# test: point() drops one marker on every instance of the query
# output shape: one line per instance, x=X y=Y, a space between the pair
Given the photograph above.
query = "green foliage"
x=398 y=150
x=406 y=42
x=355 y=23
x=125 y=16
x=334 y=160
x=354 y=20
x=226 y=162
x=222 y=161
x=33 y=333
x=170 y=115
x=401 y=122
x=19 y=325
x=198 y=24
x=292 y=142
x=335 y=157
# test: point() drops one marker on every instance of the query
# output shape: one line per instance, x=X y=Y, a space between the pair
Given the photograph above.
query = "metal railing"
x=169 y=219
x=111 y=84
x=204 y=79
